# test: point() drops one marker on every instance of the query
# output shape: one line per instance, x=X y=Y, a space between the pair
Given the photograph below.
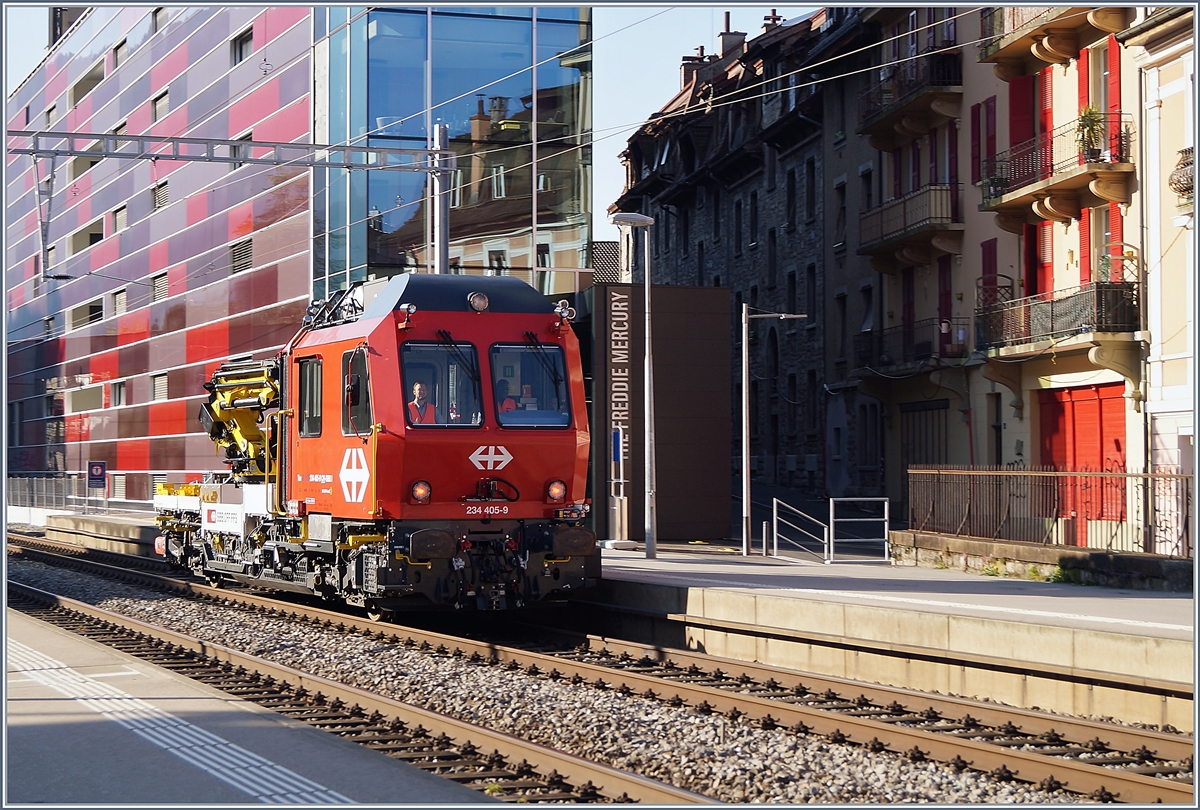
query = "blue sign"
x=97 y=475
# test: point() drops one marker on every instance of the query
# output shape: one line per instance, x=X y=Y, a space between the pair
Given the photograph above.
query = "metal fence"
x=65 y=493
x=1055 y=152
x=1097 y=306
x=995 y=23
x=911 y=343
x=1114 y=511
x=928 y=206
x=898 y=83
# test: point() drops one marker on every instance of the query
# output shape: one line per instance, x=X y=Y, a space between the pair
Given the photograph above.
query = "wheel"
x=377 y=614
x=214 y=580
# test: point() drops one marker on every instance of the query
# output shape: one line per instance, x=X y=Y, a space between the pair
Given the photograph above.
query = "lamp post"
x=746 y=318
x=632 y=221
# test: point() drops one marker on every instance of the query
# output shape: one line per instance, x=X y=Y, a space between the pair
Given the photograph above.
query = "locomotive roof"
x=446 y=293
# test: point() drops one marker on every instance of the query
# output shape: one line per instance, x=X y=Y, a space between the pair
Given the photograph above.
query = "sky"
x=636 y=58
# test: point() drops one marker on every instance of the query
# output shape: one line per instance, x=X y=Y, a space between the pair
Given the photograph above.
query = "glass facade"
x=513 y=86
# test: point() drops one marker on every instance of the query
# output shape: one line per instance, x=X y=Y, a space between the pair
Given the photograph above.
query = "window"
x=792 y=401
x=810 y=189
x=119 y=130
x=84 y=314
x=810 y=293
x=240 y=47
x=118 y=486
x=241 y=256
x=700 y=264
x=868 y=191
x=50 y=113
x=753 y=218
x=716 y=214
x=86 y=399
x=120 y=54
x=793 y=306
x=497 y=262
x=356 y=393
x=239 y=152
x=120 y=219
x=87 y=83
x=158 y=20
x=158 y=287
x=161 y=106
x=772 y=260
x=442 y=385
x=456 y=184
x=790 y=193
x=310 y=397
x=868 y=303
x=117 y=394
x=82 y=163
x=737 y=227
x=840 y=338
x=158 y=386
x=544 y=255
x=684 y=231
x=84 y=238
x=27 y=114
x=839 y=227
x=498 y=184
x=16 y=421
x=530 y=386
x=160 y=196
x=770 y=166
x=119 y=302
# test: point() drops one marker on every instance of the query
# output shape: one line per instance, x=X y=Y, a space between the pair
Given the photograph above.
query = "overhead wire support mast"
x=52 y=145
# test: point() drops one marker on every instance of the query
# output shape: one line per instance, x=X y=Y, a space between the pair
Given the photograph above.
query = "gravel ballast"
x=730 y=761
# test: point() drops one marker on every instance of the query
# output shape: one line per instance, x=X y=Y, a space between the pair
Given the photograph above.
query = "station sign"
x=97 y=475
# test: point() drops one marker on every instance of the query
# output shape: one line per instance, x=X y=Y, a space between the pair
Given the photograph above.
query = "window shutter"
x=160 y=386
x=162 y=105
x=987 y=252
x=159 y=291
x=1116 y=229
x=1020 y=109
x=1114 y=75
x=1045 y=238
x=975 y=143
x=989 y=132
x=241 y=256
x=952 y=156
x=118 y=486
x=161 y=196
x=120 y=219
x=1085 y=246
x=119 y=302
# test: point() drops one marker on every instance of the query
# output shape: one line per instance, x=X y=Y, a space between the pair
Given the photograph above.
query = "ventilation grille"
x=161 y=196
x=159 y=382
x=159 y=290
x=241 y=256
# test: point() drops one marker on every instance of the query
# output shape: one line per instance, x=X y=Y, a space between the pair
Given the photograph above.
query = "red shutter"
x=988 y=260
x=1085 y=89
x=1046 y=102
x=1029 y=249
x=1046 y=257
x=1053 y=431
x=1020 y=109
x=1116 y=229
x=1085 y=245
x=989 y=109
x=975 y=143
x=1114 y=75
x=952 y=152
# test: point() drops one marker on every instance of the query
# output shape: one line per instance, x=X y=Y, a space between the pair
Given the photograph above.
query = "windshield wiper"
x=551 y=368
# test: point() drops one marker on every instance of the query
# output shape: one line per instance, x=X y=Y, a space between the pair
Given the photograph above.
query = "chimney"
x=730 y=39
x=770 y=21
x=689 y=67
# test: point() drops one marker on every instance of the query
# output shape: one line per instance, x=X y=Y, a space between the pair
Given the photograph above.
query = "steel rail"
x=1077 y=775
x=574 y=769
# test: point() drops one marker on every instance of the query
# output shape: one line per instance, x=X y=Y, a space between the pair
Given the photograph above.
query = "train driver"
x=421 y=411
x=504 y=402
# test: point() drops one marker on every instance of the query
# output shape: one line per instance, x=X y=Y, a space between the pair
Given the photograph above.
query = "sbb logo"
x=354 y=475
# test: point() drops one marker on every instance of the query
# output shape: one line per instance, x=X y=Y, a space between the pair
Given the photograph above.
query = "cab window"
x=441 y=385
x=356 y=394
x=529 y=386
x=310 y=397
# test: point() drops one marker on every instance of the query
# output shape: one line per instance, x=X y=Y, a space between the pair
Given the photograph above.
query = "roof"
x=448 y=293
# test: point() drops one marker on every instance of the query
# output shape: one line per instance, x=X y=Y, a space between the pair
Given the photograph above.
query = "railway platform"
x=1097 y=651
x=88 y=724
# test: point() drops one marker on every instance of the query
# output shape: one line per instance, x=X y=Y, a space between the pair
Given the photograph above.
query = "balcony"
x=1052 y=34
x=902 y=347
x=1048 y=172
x=910 y=98
x=912 y=223
x=1063 y=318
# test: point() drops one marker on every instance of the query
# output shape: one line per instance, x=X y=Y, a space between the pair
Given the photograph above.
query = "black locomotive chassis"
x=483 y=566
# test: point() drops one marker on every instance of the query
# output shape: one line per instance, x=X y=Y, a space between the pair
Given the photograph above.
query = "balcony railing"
x=928 y=206
x=1098 y=306
x=898 y=84
x=911 y=343
x=1056 y=152
x=995 y=23
x=1104 y=509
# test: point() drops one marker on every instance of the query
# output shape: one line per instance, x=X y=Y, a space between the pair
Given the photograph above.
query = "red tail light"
x=421 y=491
x=556 y=492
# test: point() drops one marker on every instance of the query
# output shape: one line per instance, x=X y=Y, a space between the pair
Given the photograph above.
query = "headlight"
x=421 y=492
x=556 y=492
x=478 y=301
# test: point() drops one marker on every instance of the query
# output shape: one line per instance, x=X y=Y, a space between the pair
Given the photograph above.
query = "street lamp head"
x=631 y=219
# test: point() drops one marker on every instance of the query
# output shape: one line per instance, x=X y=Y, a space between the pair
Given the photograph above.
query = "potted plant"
x=1089 y=133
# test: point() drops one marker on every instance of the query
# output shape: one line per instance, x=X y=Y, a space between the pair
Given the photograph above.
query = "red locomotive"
x=424 y=446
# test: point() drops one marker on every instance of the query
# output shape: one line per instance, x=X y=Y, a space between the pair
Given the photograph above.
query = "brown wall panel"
x=133 y=422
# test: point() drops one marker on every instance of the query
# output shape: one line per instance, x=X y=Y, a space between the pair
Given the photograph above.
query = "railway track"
x=1101 y=761
x=474 y=756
